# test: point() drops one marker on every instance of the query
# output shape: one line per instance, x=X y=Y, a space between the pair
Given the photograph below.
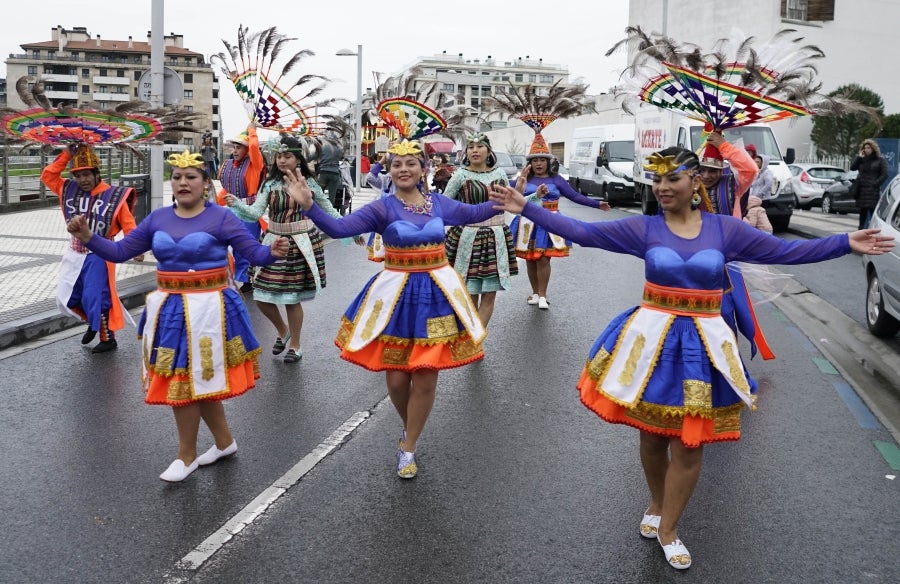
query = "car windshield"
x=618 y=151
x=825 y=172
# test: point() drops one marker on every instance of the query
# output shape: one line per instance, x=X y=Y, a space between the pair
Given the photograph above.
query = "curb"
x=38 y=325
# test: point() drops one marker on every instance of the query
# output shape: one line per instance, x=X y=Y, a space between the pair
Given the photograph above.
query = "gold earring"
x=696 y=199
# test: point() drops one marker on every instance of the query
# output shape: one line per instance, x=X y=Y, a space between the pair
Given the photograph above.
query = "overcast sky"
x=393 y=34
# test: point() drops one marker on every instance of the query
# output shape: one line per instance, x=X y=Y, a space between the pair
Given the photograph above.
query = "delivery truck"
x=656 y=128
x=602 y=160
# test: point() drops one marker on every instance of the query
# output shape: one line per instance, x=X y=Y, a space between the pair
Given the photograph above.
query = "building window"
x=215 y=125
x=120 y=73
x=188 y=77
x=51 y=54
x=32 y=69
x=532 y=78
x=35 y=54
x=808 y=10
x=449 y=87
x=102 y=72
x=85 y=89
x=519 y=78
x=85 y=73
x=187 y=142
x=189 y=94
x=137 y=75
x=188 y=108
x=546 y=78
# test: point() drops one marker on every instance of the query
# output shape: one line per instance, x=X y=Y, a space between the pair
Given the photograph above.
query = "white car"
x=810 y=181
x=883 y=271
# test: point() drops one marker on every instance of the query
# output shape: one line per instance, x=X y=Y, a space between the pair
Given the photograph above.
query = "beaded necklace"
x=423 y=209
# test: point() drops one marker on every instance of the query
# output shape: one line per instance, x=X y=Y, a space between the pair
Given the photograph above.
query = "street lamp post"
x=358 y=54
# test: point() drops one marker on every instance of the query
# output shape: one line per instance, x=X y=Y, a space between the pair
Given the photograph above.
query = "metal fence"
x=20 y=170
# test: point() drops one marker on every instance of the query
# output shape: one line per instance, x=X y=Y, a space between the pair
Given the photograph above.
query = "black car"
x=836 y=197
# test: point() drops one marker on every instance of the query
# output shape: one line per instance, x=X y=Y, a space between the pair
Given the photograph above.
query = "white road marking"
x=203 y=552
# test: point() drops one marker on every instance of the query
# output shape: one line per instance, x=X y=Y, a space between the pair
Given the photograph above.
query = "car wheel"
x=881 y=324
x=826 y=206
x=797 y=204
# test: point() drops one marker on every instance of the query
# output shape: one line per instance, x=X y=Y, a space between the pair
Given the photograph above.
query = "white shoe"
x=533 y=299
x=178 y=471
x=214 y=454
x=650 y=525
x=676 y=554
x=406 y=464
x=543 y=304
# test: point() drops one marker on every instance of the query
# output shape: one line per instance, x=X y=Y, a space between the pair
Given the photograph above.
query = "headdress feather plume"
x=273 y=97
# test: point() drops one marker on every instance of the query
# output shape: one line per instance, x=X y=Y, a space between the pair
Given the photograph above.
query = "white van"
x=657 y=128
x=602 y=161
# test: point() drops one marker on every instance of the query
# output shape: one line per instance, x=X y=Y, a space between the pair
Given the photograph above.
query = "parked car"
x=883 y=272
x=506 y=163
x=810 y=180
x=837 y=199
x=519 y=160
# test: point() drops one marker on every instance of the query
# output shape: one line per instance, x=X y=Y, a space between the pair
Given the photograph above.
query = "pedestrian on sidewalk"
x=298 y=276
x=87 y=284
x=873 y=172
x=415 y=317
x=197 y=340
x=671 y=367
x=756 y=216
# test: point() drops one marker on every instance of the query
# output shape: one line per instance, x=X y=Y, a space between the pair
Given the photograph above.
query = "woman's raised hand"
x=507 y=199
x=868 y=241
x=77 y=226
x=297 y=188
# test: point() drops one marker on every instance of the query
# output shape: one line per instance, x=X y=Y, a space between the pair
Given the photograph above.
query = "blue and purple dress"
x=198 y=343
x=416 y=313
x=671 y=365
x=533 y=241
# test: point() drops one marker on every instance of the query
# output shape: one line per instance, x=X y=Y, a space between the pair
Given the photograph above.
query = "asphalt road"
x=518 y=482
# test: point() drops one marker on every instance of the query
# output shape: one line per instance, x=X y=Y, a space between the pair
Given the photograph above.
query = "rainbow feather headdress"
x=738 y=82
x=274 y=97
x=539 y=107
x=417 y=110
x=127 y=124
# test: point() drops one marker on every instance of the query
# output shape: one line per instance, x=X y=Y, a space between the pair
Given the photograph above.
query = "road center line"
x=203 y=552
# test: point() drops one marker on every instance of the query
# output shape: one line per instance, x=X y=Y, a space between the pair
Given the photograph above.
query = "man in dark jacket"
x=873 y=172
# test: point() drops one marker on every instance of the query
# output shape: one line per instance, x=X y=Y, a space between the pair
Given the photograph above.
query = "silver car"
x=810 y=180
x=883 y=271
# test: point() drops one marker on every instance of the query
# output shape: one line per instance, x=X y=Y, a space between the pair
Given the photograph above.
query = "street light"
x=358 y=54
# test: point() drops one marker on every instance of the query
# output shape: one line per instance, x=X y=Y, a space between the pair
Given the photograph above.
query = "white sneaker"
x=406 y=464
x=543 y=304
x=178 y=471
x=533 y=299
x=214 y=454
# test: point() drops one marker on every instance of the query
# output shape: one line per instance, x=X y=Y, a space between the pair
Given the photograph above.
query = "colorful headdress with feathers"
x=739 y=82
x=89 y=124
x=416 y=110
x=274 y=96
x=539 y=107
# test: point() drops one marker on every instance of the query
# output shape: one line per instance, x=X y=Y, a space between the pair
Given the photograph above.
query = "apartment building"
x=78 y=68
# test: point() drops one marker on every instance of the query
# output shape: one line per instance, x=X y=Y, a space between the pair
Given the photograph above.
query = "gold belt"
x=186 y=282
x=415 y=259
x=682 y=301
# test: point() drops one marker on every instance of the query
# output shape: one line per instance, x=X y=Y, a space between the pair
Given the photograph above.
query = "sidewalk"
x=32 y=243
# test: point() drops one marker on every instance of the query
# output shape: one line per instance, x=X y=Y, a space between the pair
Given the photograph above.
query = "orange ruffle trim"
x=380 y=355
x=534 y=255
x=240 y=378
x=693 y=430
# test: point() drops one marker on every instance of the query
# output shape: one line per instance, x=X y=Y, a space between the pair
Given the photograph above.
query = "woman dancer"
x=301 y=274
x=198 y=344
x=482 y=253
x=535 y=244
x=671 y=367
x=414 y=318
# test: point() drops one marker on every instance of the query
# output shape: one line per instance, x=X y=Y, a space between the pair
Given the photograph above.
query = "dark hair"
x=295 y=147
x=683 y=156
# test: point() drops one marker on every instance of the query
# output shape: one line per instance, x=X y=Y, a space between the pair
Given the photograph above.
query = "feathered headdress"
x=417 y=112
x=273 y=95
x=739 y=82
x=539 y=108
x=127 y=124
